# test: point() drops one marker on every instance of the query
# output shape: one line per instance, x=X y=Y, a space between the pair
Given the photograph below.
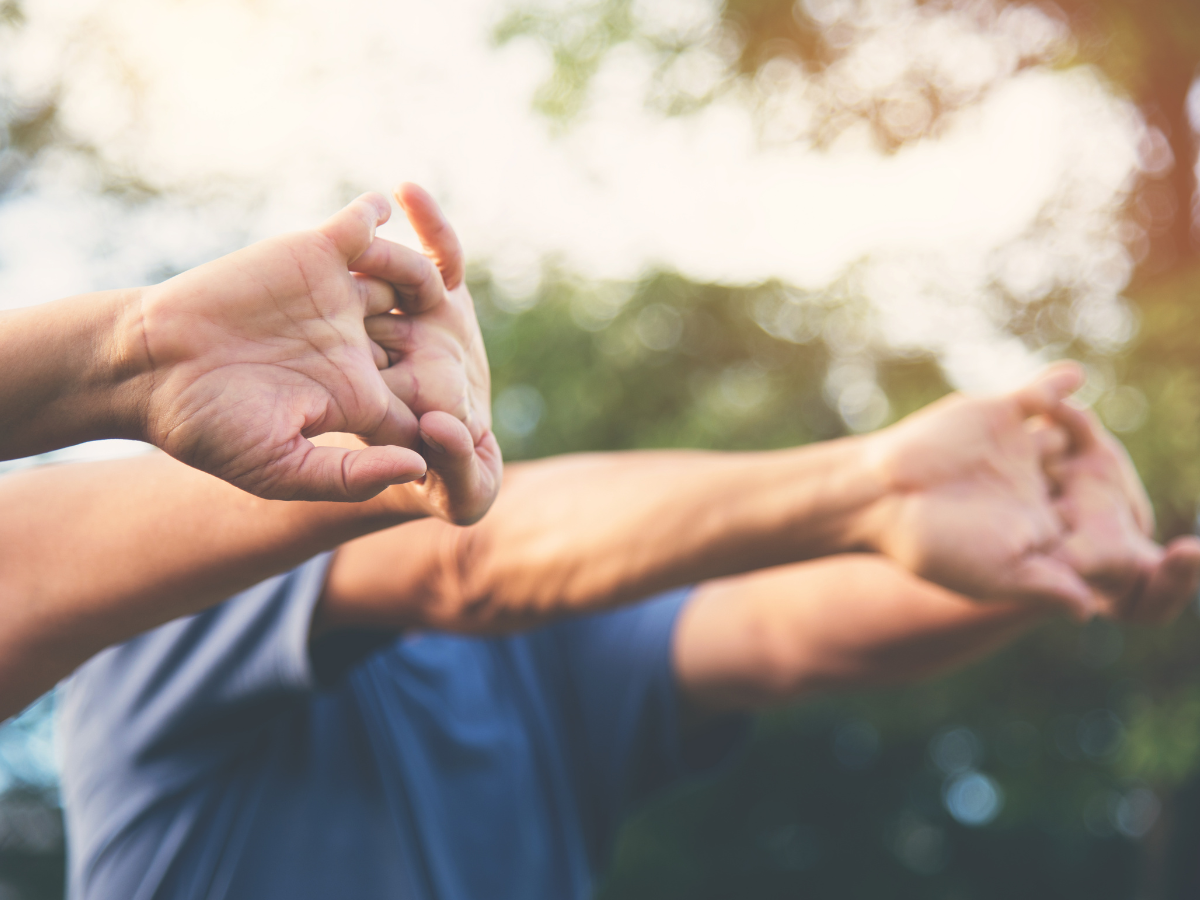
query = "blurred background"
x=738 y=224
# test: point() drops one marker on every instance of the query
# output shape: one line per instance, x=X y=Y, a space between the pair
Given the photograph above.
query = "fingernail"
x=434 y=445
x=407 y=479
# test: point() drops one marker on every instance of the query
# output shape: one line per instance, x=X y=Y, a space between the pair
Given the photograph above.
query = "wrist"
x=874 y=520
x=128 y=368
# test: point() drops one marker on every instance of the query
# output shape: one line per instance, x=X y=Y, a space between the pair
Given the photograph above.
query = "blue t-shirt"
x=222 y=757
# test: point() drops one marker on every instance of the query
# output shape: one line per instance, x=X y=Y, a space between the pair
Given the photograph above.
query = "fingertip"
x=1053 y=385
x=373 y=469
x=436 y=233
x=352 y=228
x=1066 y=375
x=407 y=194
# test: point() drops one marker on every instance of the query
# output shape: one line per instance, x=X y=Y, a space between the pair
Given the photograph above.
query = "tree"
x=1148 y=50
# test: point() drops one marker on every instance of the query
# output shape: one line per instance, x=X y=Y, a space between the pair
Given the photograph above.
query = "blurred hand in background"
x=1110 y=528
x=1024 y=496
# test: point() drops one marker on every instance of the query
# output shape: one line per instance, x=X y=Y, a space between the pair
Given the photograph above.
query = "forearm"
x=93 y=554
x=578 y=533
x=71 y=373
x=842 y=623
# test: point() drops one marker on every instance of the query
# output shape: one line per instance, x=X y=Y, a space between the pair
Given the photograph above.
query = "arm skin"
x=579 y=533
x=843 y=623
x=582 y=532
x=93 y=554
x=846 y=622
x=232 y=366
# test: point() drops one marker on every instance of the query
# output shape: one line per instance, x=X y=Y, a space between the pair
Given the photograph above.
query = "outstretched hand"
x=254 y=353
x=438 y=367
x=1110 y=525
x=969 y=506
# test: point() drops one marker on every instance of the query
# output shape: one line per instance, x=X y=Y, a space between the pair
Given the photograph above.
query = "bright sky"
x=262 y=116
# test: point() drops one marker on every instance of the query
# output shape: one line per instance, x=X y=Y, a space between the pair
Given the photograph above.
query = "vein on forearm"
x=574 y=534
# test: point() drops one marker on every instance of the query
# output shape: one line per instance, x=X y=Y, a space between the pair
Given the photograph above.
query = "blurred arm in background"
x=231 y=366
x=851 y=621
x=955 y=494
x=842 y=623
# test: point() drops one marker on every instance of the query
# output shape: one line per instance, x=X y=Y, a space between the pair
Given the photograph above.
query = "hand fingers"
x=379 y=298
x=378 y=295
x=398 y=428
x=1049 y=440
x=417 y=282
x=1079 y=424
x=1049 y=389
x=380 y=357
x=436 y=234
x=352 y=228
x=394 y=331
x=1172 y=584
x=334 y=473
x=1088 y=435
x=1042 y=579
x=455 y=475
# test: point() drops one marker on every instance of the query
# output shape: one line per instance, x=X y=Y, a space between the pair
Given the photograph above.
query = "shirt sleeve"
x=623 y=709
x=178 y=701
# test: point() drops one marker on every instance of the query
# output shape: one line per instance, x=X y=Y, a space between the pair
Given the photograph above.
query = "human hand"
x=1110 y=525
x=248 y=356
x=438 y=367
x=968 y=505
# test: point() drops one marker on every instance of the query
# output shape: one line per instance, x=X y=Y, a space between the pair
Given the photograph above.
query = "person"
x=230 y=367
x=136 y=545
x=450 y=712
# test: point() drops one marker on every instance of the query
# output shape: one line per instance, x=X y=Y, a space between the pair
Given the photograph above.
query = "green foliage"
x=668 y=363
x=579 y=44
x=1161 y=365
x=1085 y=731
x=10 y=13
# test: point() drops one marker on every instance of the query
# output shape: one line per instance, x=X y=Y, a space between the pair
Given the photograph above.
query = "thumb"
x=1043 y=579
x=352 y=228
x=335 y=473
x=1049 y=389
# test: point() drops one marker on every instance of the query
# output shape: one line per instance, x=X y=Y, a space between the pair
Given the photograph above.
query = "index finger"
x=1046 y=392
x=435 y=231
x=417 y=281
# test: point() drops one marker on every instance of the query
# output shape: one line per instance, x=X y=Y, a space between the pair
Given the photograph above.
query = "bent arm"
x=841 y=623
x=580 y=533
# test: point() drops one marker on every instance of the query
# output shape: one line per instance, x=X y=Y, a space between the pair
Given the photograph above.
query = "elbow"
x=782 y=669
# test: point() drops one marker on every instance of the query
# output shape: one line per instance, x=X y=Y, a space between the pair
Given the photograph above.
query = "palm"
x=251 y=372
x=1110 y=523
x=436 y=364
x=974 y=511
x=441 y=366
